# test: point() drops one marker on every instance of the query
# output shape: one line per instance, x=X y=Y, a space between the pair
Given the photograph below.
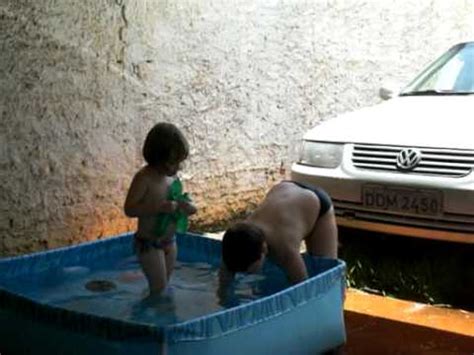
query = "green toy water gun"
x=163 y=220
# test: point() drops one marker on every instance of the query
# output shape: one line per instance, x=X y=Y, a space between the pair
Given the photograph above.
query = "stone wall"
x=84 y=80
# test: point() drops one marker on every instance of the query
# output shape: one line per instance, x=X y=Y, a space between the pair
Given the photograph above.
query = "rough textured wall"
x=82 y=81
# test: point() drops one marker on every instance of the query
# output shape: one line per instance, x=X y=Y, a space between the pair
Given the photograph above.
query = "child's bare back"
x=288 y=214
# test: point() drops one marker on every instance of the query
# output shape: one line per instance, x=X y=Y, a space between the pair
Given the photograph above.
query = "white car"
x=404 y=166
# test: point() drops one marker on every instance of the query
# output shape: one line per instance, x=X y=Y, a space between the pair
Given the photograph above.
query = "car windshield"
x=450 y=74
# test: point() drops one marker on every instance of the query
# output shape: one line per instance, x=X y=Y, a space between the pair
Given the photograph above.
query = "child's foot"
x=100 y=285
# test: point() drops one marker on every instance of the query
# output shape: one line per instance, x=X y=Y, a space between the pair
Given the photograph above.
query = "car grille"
x=439 y=162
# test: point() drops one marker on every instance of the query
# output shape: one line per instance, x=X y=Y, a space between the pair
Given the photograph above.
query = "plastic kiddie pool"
x=79 y=300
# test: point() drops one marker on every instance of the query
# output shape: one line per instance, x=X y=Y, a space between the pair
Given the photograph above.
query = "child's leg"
x=153 y=264
x=170 y=258
x=323 y=239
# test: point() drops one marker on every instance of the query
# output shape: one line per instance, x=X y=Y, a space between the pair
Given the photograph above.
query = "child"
x=290 y=214
x=164 y=150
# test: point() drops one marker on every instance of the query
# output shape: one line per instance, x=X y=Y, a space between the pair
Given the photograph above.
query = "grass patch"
x=415 y=269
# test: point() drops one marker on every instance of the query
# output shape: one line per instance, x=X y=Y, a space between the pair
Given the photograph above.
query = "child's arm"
x=295 y=267
x=135 y=205
x=225 y=276
x=224 y=289
x=185 y=203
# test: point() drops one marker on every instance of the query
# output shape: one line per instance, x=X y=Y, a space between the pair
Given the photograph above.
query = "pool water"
x=121 y=292
x=92 y=298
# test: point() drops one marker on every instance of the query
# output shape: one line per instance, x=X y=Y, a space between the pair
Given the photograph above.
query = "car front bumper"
x=344 y=184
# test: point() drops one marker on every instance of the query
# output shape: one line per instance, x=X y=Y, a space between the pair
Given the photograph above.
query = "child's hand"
x=187 y=207
x=168 y=206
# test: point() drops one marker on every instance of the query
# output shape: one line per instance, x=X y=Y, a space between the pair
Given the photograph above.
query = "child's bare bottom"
x=157 y=259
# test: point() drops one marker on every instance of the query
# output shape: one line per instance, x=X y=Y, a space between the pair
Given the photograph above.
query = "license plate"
x=406 y=200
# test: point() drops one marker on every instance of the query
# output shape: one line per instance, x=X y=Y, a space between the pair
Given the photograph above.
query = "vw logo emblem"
x=408 y=158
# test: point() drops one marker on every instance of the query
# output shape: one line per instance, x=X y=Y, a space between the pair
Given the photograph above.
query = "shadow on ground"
x=420 y=270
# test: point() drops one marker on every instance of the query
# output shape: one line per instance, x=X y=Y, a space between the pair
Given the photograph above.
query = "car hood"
x=416 y=121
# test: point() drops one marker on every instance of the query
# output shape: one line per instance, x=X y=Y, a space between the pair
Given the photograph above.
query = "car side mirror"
x=388 y=92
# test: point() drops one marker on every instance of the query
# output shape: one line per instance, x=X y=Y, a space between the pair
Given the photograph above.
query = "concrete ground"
x=384 y=325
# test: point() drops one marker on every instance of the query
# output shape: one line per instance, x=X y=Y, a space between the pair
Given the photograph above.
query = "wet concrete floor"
x=384 y=325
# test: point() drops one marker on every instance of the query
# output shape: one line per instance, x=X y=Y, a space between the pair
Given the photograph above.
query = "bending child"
x=148 y=198
x=290 y=214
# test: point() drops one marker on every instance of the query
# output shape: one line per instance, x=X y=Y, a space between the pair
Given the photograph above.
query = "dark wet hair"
x=165 y=144
x=242 y=245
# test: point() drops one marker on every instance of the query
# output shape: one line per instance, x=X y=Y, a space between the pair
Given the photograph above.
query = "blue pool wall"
x=303 y=319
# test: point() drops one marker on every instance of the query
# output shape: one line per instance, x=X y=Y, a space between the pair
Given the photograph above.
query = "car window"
x=446 y=78
x=452 y=73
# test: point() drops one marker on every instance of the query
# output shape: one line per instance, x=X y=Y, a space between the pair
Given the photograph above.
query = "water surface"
x=119 y=291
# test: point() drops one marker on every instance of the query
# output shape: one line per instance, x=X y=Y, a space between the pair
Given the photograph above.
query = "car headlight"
x=323 y=155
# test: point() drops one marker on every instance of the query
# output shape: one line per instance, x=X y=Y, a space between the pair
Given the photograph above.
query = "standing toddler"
x=149 y=200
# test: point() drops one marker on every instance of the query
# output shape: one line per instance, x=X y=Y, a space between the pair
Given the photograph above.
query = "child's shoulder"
x=145 y=173
x=151 y=174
